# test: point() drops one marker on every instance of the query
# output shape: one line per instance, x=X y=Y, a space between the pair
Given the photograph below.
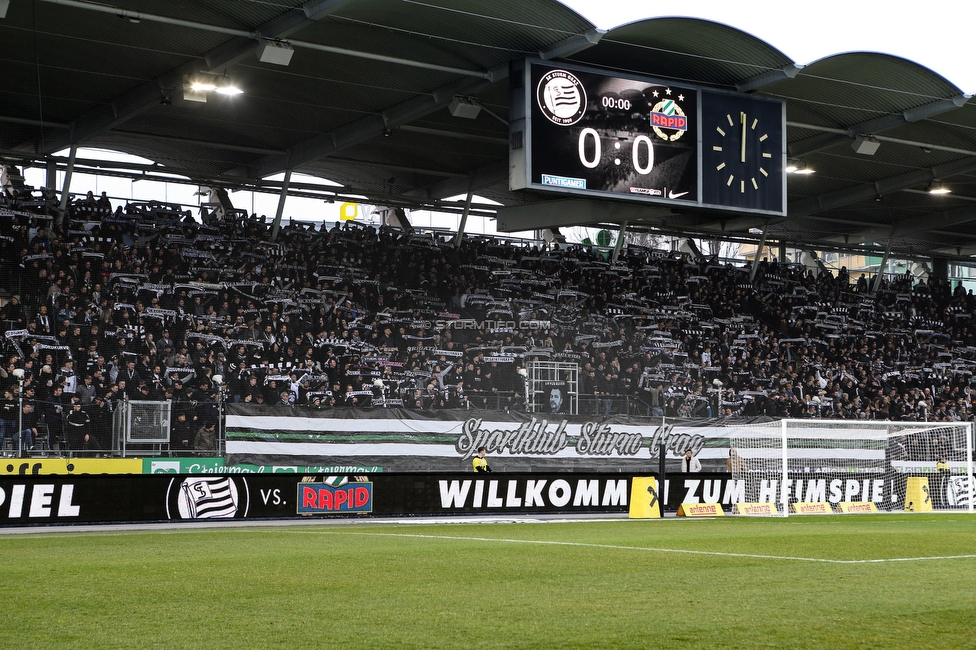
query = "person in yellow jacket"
x=479 y=462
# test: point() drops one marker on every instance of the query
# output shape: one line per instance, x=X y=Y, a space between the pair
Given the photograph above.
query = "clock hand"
x=742 y=119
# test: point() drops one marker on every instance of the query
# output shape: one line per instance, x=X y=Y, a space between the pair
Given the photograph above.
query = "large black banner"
x=164 y=497
x=145 y=498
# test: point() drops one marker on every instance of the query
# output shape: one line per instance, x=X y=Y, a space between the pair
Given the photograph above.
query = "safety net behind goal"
x=817 y=466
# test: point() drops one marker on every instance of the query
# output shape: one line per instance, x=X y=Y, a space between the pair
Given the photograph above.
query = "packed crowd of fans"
x=146 y=303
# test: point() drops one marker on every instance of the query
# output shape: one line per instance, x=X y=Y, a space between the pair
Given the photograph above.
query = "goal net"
x=812 y=466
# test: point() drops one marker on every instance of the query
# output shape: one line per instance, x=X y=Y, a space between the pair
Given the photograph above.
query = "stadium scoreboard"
x=582 y=131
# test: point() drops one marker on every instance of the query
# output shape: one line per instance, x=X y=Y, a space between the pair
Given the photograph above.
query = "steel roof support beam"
x=928 y=223
x=145 y=96
x=232 y=51
x=755 y=261
x=483 y=177
x=98 y=120
x=63 y=208
x=464 y=218
x=197 y=143
x=276 y=226
x=887 y=138
x=280 y=28
x=620 y=241
x=958 y=251
x=738 y=224
x=947 y=219
x=768 y=77
x=372 y=164
x=881 y=268
x=828 y=140
x=573 y=45
x=868 y=191
x=457 y=135
x=22 y=120
x=372 y=126
x=51 y=175
x=316 y=191
x=572 y=212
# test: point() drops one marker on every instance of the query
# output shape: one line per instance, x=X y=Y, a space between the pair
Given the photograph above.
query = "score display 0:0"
x=592 y=163
x=618 y=103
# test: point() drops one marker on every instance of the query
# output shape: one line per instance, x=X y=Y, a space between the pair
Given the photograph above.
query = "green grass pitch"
x=734 y=582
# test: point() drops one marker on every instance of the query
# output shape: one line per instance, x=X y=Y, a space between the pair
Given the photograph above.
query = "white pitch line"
x=650 y=548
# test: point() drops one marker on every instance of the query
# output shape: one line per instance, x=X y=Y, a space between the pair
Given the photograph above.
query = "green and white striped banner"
x=446 y=440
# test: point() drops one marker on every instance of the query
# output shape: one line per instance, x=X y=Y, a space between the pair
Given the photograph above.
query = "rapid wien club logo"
x=561 y=97
x=668 y=120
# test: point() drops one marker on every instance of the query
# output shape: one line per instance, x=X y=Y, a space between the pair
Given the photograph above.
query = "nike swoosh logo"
x=675 y=195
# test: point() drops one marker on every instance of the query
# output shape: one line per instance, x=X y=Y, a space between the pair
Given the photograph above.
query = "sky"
x=934 y=34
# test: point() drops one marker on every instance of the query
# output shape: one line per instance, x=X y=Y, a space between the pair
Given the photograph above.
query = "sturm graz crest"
x=207 y=497
x=561 y=97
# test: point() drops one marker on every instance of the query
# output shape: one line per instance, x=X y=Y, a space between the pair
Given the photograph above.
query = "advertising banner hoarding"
x=42 y=466
x=165 y=497
x=28 y=500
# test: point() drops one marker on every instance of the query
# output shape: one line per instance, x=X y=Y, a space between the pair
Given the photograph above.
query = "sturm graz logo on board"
x=561 y=97
x=207 y=497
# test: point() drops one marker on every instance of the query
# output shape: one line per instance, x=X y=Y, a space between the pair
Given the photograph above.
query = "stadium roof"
x=364 y=102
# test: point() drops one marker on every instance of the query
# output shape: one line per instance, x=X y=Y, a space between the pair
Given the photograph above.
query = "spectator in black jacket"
x=182 y=434
x=28 y=422
x=78 y=427
x=52 y=410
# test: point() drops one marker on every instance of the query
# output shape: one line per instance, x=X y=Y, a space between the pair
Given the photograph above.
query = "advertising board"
x=34 y=499
x=26 y=500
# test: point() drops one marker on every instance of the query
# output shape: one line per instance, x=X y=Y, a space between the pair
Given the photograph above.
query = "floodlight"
x=203 y=84
x=937 y=187
x=802 y=168
x=195 y=88
x=225 y=87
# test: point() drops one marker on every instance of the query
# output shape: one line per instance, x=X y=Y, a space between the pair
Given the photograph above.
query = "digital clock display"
x=618 y=103
x=614 y=135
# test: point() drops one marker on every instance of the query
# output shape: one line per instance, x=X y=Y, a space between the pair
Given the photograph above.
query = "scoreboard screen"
x=582 y=131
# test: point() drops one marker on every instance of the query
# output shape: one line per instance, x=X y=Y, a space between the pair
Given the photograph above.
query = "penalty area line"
x=652 y=549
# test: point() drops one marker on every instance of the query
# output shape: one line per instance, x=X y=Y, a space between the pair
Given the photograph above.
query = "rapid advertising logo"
x=335 y=495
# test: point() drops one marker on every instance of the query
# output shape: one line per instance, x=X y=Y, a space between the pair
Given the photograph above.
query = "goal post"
x=854 y=465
